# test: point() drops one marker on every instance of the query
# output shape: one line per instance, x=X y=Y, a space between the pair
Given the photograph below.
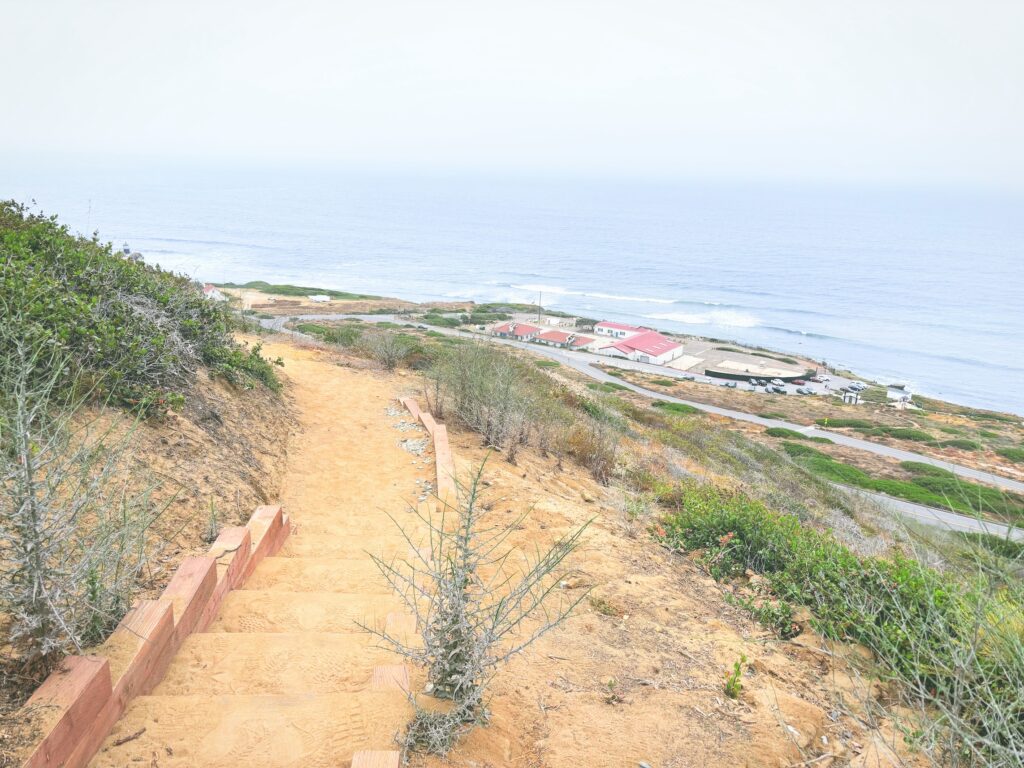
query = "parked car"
x=753 y=382
x=779 y=390
x=731 y=384
x=799 y=382
x=763 y=382
x=778 y=382
x=817 y=379
x=805 y=391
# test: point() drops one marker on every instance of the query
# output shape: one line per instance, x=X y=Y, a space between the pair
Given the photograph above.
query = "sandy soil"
x=634 y=676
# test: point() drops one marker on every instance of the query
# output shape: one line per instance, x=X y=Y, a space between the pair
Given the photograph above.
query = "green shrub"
x=1007 y=548
x=962 y=443
x=1016 y=455
x=922 y=468
x=606 y=386
x=931 y=486
x=663 y=382
x=796 y=450
x=776 y=615
x=136 y=331
x=547 y=364
x=845 y=423
x=792 y=434
x=296 y=290
x=681 y=409
x=441 y=321
x=347 y=335
x=900 y=433
x=952 y=642
x=485 y=318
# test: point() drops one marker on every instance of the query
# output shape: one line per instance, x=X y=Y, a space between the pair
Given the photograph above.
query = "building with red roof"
x=646 y=347
x=520 y=331
x=563 y=339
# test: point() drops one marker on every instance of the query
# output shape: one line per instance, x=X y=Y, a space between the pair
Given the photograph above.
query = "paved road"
x=940 y=518
x=584 y=363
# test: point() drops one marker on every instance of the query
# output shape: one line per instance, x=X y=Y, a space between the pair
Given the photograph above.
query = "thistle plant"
x=476 y=605
x=73 y=521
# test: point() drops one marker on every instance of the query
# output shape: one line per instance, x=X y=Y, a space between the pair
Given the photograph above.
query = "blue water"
x=911 y=286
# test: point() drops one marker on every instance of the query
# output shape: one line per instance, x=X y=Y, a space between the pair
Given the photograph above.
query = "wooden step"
x=222 y=662
x=319 y=574
x=279 y=611
x=256 y=731
x=377 y=759
x=303 y=544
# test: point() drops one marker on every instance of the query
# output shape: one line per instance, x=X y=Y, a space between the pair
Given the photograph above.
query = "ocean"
x=911 y=286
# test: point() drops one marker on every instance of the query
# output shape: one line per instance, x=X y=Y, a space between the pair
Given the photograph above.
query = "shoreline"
x=402 y=306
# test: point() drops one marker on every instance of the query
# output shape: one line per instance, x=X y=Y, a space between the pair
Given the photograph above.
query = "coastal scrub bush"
x=680 y=409
x=952 y=640
x=346 y=335
x=1010 y=549
x=434 y=317
x=297 y=290
x=792 y=434
x=845 y=423
x=962 y=443
x=477 y=603
x=1016 y=455
x=929 y=485
x=131 y=332
x=73 y=526
x=511 y=403
x=923 y=468
x=900 y=433
x=388 y=349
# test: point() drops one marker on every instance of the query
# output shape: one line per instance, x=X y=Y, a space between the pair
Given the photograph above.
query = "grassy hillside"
x=131 y=332
x=296 y=290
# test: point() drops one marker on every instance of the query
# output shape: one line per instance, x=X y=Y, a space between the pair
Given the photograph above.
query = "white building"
x=618 y=330
x=645 y=347
x=211 y=292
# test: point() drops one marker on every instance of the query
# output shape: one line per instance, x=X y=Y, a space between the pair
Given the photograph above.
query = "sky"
x=894 y=91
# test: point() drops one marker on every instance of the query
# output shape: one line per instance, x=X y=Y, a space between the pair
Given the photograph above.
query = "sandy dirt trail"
x=284 y=676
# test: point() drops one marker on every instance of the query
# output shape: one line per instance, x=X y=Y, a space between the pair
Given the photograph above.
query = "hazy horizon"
x=919 y=94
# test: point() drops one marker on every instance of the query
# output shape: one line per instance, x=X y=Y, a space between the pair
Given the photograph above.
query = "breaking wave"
x=722 y=317
x=554 y=289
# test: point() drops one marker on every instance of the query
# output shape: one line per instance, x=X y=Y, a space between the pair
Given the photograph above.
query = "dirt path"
x=634 y=677
x=284 y=677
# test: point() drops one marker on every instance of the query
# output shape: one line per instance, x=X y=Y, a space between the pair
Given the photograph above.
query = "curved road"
x=584 y=363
